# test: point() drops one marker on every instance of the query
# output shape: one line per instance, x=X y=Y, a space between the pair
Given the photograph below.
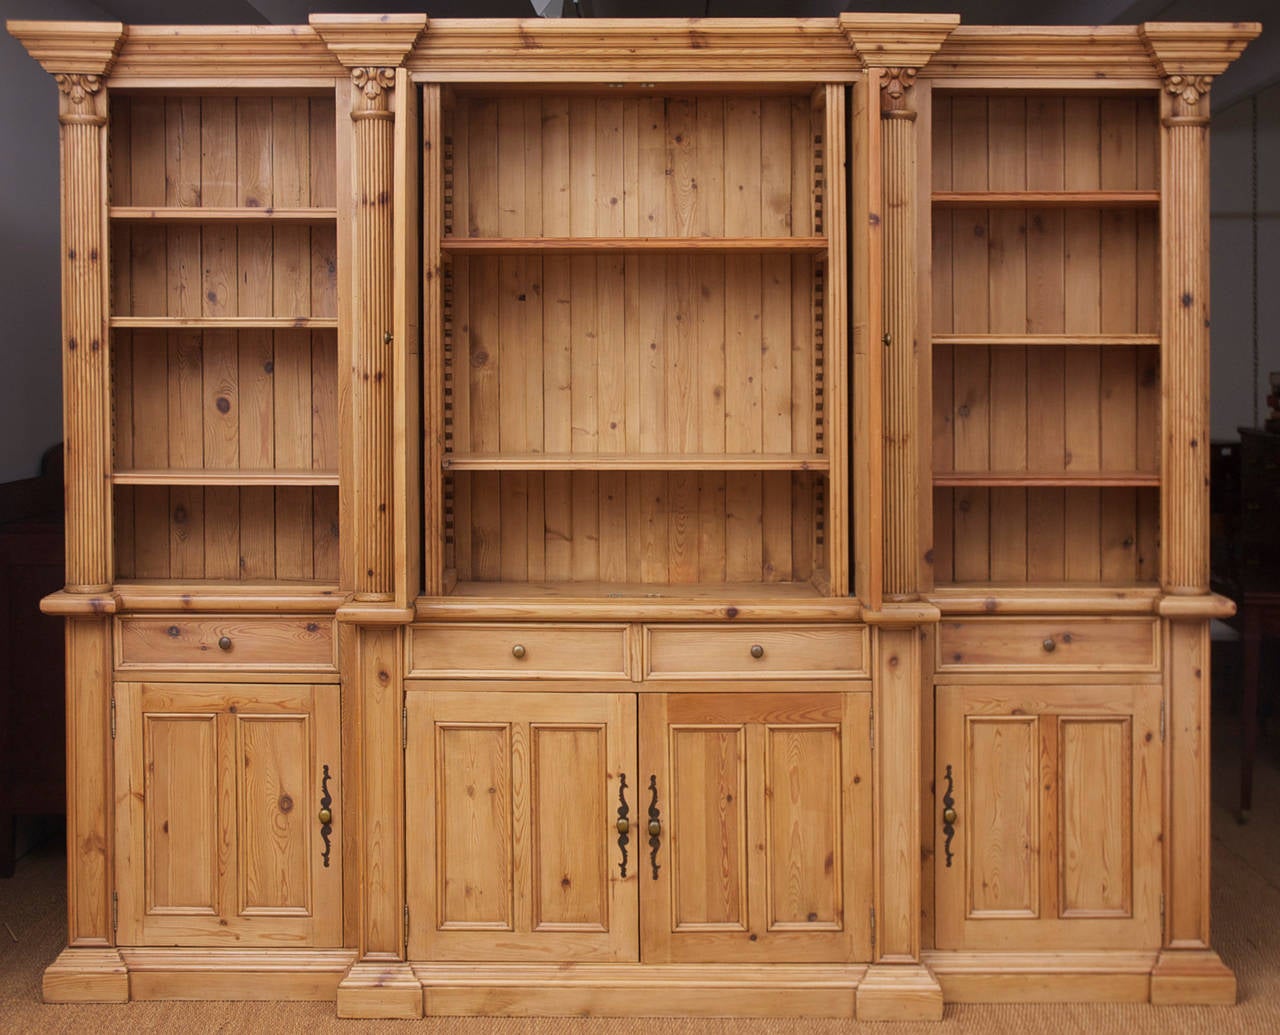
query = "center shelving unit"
x=636 y=372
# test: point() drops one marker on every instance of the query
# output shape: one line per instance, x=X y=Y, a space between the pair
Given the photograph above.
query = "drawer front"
x=1049 y=644
x=527 y=651
x=225 y=641
x=755 y=651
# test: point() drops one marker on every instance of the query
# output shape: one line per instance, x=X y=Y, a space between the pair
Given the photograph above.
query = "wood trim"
x=1042 y=977
x=1196 y=48
x=165 y=54
x=807 y=50
x=998 y=599
x=1046 y=199
x=86 y=976
x=1057 y=54
x=255 y=974
x=897 y=40
x=368 y=40
x=79 y=48
x=1046 y=339
x=610 y=245
x=860 y=333
x=591 y=602
x=636 y=462
x=194 y=214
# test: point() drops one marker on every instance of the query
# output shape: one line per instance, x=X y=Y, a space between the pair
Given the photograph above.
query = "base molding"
x=86 y=976
x=640 y=990
x=255 y=974
x=899 y=992
x=1187 y=977
x=1043 y=977
x=377 y=988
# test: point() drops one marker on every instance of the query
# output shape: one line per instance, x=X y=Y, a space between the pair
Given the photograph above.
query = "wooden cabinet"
x=514 y=845
x=763 y=807
x=1048 y=817
x=492 y=412
x=219 y=834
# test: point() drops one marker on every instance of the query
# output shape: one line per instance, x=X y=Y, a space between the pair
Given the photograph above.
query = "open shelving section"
x=1046 y=358
x=636 y=377
x=224 y=317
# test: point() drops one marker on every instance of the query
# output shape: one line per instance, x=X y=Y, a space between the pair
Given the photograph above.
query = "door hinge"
x=873 y=928
x=1162 y=721
x=113 y=718
x=871 y=730
x=404 y=728
x=115 y=911
x=406 y=925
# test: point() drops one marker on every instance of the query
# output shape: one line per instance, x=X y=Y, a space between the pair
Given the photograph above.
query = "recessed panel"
x=474 y=795
x=1003 y=815
x=802 y=795
x=570 y=828
x=708 y=827
x=275 y=813
x=1096 y=813
x=181 y=813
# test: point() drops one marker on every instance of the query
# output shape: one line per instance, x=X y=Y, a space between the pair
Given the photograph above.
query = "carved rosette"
x=895 y=102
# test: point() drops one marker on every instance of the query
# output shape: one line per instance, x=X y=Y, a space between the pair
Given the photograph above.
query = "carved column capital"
x=80 y=98
x=372 y=95
x=1188 y=91
x=895 y=98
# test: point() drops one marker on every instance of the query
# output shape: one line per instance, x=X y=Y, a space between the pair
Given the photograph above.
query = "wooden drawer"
x=755 y=651
x=225 y=641
x=530 y=651
x=1062 y=644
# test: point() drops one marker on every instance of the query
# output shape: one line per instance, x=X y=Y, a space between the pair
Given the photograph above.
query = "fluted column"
x=372 y=391
x=1184 y=218
x=901 y=355
x=82 y=112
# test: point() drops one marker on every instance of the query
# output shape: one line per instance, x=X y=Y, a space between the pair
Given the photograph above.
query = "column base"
x=380 y=989
x=1186 y=977
x=86 y=976
x=899 y=992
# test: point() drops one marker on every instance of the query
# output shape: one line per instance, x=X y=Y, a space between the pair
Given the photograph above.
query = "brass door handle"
x=949 y=816
x=624 y=826
x=655 y=826
x=325 y=815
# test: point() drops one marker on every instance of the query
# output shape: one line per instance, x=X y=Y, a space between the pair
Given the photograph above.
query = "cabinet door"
x=218 y=833
x=764 y=805
x=513 y=842
x=1055 y=838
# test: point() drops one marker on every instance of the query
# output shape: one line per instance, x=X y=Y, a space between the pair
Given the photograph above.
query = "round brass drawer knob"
x=757 y=651
x=655 y=828
x=518 y=652
x=224 y=643
x=1050 y=646
x=326 y=817
x=623 y=826
x=949 y=816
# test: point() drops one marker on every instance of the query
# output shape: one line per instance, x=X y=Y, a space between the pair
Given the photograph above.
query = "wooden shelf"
x=235 y=323
x=195 y=214
x=1046 y=339
x=264 y=478
x=608 y=245
x=637 y=462
x=1047 y=199
x=1059 y=479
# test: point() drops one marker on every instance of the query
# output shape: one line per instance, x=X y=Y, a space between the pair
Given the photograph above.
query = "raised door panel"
x=1055 y=841
x=515 y=852
x=763 y=810
x=217 y=820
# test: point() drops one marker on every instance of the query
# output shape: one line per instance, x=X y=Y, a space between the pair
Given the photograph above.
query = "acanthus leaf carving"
x=895 y=82
x=373 y=81
x=1189 y=88
x=78 y=87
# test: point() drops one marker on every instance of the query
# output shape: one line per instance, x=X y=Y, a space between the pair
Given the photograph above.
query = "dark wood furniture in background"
x=32 y=742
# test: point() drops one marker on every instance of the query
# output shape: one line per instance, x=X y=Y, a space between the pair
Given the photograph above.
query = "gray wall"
x=30 y=369
x=1232 y=387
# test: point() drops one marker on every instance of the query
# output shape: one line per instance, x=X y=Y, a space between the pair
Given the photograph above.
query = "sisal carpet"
x=1246 y=910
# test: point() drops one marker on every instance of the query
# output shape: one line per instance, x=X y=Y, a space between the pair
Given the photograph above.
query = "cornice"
x=1196 y=48
x=70 y=48
x=230 y=51
x=369 y=40
x=809 y=50
x=895 y=40
x=1093 y=52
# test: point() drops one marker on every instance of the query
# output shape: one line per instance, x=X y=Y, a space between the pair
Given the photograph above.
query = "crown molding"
x=70 y=48
x=1196 y=48
x=895 y=40
x=369 y=40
